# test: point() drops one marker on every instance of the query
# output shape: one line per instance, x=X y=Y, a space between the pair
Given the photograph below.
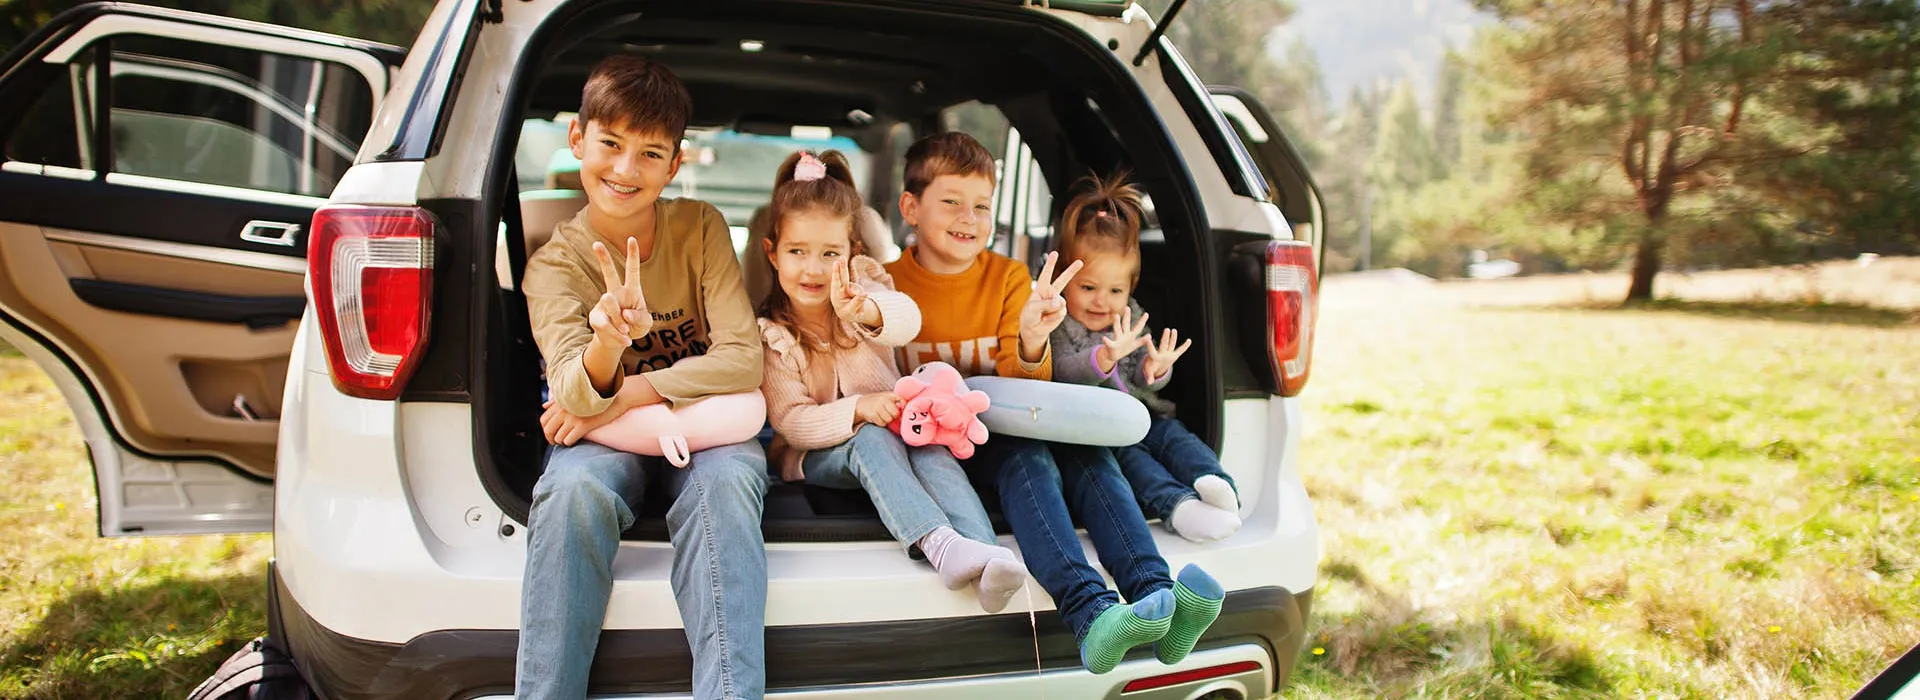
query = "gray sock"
x=959 y=560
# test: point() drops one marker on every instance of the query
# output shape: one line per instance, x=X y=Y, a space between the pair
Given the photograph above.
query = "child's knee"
x=1029 y=465
x=740 y=468
x=1087 y=458
x=872 y=436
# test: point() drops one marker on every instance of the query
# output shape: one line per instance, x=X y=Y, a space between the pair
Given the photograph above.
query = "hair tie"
x=1101 y=213
x=809 y=168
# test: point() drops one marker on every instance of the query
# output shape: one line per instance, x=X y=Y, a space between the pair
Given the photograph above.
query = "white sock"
x=958 y=559
x=1199 y=522
x=1002 y=578
x=1216 y=492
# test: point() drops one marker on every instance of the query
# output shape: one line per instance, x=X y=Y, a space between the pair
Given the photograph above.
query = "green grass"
x=84 y=617
x=1823 y=313
x=1687 y=500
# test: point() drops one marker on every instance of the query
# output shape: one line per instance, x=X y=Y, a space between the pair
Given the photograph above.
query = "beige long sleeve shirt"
x=704 y=339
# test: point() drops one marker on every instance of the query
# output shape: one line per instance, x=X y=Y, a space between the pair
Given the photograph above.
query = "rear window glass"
x=731 y=170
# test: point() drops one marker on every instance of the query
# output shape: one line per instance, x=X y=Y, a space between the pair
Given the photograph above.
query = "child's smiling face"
x=1101 y=289
x=623 y=169
x=811 y=243
x=952 y=220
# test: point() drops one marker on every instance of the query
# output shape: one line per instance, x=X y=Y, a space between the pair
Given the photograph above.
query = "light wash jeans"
x=916 y=489
x=580 y=506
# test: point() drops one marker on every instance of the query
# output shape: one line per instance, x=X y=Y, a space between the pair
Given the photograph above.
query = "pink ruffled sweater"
x=811 y=396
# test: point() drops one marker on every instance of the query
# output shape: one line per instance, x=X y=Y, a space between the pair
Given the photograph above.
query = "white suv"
x=357 y=372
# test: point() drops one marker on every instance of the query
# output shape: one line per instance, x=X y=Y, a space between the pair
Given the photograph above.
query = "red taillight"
x=371 y=269
x=1198 y=674
x=1293 y=296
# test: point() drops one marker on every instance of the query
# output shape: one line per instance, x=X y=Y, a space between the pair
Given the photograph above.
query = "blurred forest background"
x=1588 y=135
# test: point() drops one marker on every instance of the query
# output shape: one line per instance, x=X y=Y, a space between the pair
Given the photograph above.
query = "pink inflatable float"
x=678 y=433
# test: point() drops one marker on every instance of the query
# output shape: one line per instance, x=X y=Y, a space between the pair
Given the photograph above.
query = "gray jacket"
x=1073 y=363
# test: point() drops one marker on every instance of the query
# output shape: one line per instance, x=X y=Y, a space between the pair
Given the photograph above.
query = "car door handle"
x=270 y=233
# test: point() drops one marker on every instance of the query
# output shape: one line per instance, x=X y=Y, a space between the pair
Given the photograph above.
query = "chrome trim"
x=270 y=233
x=223 y=191
x=61 y=171
x=1053 y=683
x=238 y=34
x=185 y=251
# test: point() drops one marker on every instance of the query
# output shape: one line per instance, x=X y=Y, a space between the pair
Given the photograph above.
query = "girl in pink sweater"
x=831 y=326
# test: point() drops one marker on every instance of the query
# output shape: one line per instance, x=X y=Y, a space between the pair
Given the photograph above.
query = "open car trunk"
x=1021 y=81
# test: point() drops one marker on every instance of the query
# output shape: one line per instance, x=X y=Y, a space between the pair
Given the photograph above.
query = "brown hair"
x=834 y=195
x=635 y=92
x=1105 y=217
x=948 y=153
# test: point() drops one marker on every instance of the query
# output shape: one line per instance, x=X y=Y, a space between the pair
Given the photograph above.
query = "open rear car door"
x=160 y=170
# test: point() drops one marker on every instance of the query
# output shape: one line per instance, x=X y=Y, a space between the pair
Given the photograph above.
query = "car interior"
x=787 y=77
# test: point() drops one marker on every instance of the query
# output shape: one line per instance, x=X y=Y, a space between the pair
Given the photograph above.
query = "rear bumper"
x=929 y=658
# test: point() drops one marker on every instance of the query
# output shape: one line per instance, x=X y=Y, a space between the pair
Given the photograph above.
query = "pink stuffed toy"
x=676 y=434
x=940 y=410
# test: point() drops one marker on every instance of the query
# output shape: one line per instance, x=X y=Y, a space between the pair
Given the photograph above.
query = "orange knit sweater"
x=970 y=320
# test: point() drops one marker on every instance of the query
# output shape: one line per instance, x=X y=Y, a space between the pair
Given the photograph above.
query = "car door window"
x=1023 y=206
x=222 y=115
x=50 y=134
x=205 y=114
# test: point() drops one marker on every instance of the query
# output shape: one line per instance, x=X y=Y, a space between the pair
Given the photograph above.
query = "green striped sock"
x=1197 y=598
x=1124 y=627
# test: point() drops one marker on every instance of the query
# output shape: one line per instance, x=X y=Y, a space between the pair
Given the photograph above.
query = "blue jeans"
x=580 y=506
x=916 y=489
x=1038 y=484
x=1163 y=466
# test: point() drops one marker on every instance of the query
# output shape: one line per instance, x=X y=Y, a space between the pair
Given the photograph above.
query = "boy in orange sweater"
x=982 y=314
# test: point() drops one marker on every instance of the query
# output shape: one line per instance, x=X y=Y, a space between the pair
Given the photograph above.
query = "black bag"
x=260 y=670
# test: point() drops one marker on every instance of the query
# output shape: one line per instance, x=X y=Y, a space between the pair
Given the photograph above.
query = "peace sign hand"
x=1127 y=337
x=1160 y=357
x=848 y=295
x=1046 y=308
x=621 y=316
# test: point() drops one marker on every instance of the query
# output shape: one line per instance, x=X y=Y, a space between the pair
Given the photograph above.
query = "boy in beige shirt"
x=638 y=300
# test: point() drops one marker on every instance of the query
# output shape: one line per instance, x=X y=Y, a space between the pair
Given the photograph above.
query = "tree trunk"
x=1646 y=264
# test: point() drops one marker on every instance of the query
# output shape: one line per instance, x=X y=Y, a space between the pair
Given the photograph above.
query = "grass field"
x=84 y=617
x=1682 y=500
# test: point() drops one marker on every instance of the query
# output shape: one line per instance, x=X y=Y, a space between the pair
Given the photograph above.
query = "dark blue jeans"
x=1163 y=467
x=1042 y=488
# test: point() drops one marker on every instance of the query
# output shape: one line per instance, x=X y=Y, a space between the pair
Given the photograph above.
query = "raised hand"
x=1127 y=337
x=1160 y=357
x=1046 y=307
x=848 y=295
x=621 y=316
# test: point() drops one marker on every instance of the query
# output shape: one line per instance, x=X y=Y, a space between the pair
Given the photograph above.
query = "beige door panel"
x=111 y=265
x=170 y=384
